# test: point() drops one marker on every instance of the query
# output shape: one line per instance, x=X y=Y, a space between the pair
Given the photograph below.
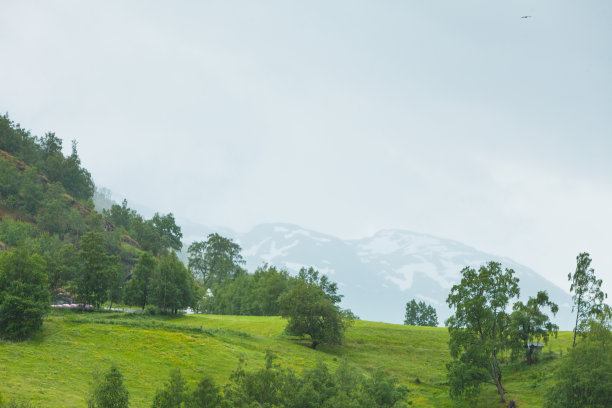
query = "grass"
x=54 y=369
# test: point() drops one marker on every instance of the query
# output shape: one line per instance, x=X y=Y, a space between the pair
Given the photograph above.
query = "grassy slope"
x=54 y=369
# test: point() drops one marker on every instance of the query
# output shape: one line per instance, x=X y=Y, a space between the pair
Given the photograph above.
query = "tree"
x=108 y=391
x=91 y=285
x=479 y=328
x=169 y=233
x=420 y=314
x=138 y=288
x=530 y=324
x=171 y=286
x=329 y=288
x=311 y=312
x=205 y=395
x=588 y=297
x=584 y=377
x=173 y=393
x=214 y=260
x=24 y=298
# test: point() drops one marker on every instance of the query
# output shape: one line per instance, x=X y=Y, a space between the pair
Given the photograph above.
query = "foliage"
x=138 y=288
x=205 y=394
x=311 y=310
x=108 y=391
x=530 y=324
x=173 y=393
x=479 y=328
x=584 y=378
x=587 y=294
x=420 y=314
x=273 y=386
x=98 y=269
x=215 y=260
x=172 y=288
x=168 y=232
x=45 y=153
x=254 y=294
x=24 y=298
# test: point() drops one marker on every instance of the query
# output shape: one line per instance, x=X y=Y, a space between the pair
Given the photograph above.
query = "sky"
x=456 y=119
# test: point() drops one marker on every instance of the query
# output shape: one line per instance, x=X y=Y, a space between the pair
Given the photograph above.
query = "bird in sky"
x=526 y=17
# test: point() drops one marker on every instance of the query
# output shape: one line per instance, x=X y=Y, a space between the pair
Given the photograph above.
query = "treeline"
x=270 y=386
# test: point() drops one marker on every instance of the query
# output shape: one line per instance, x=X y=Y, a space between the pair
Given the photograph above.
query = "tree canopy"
x=587 y=294
x=311 y=309
x=420 y=314
x=24 y=297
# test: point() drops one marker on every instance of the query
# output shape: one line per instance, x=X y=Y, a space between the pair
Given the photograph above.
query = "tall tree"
x=587 y=294
x=169 y=233
x=138 y=288
x=479 y=328
x=215 y=260
x=530 y=324
x=91 y=285
x=171 y=287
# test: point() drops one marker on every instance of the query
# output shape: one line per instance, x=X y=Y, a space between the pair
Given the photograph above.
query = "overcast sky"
x=456 y=119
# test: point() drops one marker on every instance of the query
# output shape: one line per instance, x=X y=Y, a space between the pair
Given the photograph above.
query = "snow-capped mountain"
x=379 y=274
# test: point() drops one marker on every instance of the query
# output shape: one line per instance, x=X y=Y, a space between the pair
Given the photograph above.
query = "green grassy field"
x=55 y=368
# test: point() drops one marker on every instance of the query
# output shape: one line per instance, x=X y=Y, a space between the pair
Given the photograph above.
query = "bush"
x=24 y=298
x=108 y=391
x=584 y=378
x=152 y=310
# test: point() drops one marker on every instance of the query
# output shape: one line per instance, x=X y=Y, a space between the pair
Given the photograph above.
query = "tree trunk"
x=529 y=355
x=496 y=375
x=576 y=325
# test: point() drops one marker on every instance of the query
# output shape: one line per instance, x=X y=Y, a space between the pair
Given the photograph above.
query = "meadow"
x=55 y=368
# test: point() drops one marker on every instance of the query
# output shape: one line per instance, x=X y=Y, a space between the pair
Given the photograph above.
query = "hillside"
x=54 y=369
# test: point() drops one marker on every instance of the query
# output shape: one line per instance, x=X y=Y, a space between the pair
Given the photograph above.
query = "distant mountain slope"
x=379 y=274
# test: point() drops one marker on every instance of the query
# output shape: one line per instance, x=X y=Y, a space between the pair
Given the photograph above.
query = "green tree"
x=204 y=395
x=479 y=328
x=108 y=391
x=53 y=213
x=420 y=314
x=215 y=260
x=121 y=215
x=91 y=285
x=24 y=298
x=171 y=286
x=169 y=233
x=311 y=312
x=138 y=288
x=528 y=324
x=587 y=294
x=584 y=377
x=173 y=393
x=31 y=190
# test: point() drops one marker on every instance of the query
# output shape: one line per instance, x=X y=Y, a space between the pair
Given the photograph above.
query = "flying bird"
x=526 y=17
